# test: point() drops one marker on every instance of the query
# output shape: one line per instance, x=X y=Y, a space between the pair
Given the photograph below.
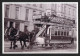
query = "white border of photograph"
x=36 y=52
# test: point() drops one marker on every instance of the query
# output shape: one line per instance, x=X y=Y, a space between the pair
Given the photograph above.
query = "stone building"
x=21 y=16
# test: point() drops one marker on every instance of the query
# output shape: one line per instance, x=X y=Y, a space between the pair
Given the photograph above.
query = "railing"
x=41 y=30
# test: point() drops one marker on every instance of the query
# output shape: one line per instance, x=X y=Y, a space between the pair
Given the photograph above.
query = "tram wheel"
x=54 y=46
x=50 y=45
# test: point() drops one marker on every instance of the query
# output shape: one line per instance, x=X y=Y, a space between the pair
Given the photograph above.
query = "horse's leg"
x=11 y=45
x=21 y=44
x=14 y=44
x=25 y=43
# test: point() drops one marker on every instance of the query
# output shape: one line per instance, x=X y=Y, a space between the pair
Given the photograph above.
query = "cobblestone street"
x=38 y=49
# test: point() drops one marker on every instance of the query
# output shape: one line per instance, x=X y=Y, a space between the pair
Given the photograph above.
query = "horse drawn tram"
x=49 y=32
x=54 y=32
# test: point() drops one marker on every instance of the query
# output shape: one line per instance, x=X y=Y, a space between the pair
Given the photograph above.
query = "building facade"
x=21 y=16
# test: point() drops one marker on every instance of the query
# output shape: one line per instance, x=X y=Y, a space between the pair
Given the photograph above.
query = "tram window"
x=64 y=33
x=58 y=32
x=61 y=33
x=55 y=32
x=67 y=33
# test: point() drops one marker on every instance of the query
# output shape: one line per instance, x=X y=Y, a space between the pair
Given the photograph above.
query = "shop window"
x=11 y=24
x=25 y=28
x=17 y=25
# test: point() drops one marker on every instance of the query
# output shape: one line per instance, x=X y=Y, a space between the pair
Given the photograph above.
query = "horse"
x=23 y=37
x=15 y=35
x=10 y=33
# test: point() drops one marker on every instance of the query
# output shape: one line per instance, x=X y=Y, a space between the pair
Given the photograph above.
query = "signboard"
x=62 y=21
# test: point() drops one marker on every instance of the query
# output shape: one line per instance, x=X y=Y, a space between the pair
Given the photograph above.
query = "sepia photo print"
x=40 y=27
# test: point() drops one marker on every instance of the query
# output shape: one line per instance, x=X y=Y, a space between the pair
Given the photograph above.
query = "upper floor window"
x=40 y=13
x=17 y=13
x=7 y=11
x=40 y=5
x=73 y=12
x=27 y=4
x=34 y=5
x=34 y=12
x=69 y=11
x=27 y=12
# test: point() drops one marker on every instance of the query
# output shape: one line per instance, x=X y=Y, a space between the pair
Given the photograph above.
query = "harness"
x=11 y=32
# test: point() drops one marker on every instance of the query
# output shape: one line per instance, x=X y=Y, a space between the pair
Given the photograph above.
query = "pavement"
x=39 y=49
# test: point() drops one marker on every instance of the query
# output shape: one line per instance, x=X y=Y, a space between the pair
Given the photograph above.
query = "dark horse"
x=11 y=32
x=23 y=37
x=15 y=35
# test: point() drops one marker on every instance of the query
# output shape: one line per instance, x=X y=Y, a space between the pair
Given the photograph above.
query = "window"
x=40 y=5
x=40 y=13
x=69 y=11
x=17 y=25
x=17 y=13
x=34 y=5
x=67 y=33
x=25 y=28
x=64 y=33
x=7 y=11
x=58 y=32
x=28 y=4
x=73 y=21
x=55 y=32
x=61 y=33
x=34 y=12
x=73 y=12
x=27 y=12
x=5 y=24
x=11 y=24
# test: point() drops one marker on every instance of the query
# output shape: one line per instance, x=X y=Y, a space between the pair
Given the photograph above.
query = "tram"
x=53 y=34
